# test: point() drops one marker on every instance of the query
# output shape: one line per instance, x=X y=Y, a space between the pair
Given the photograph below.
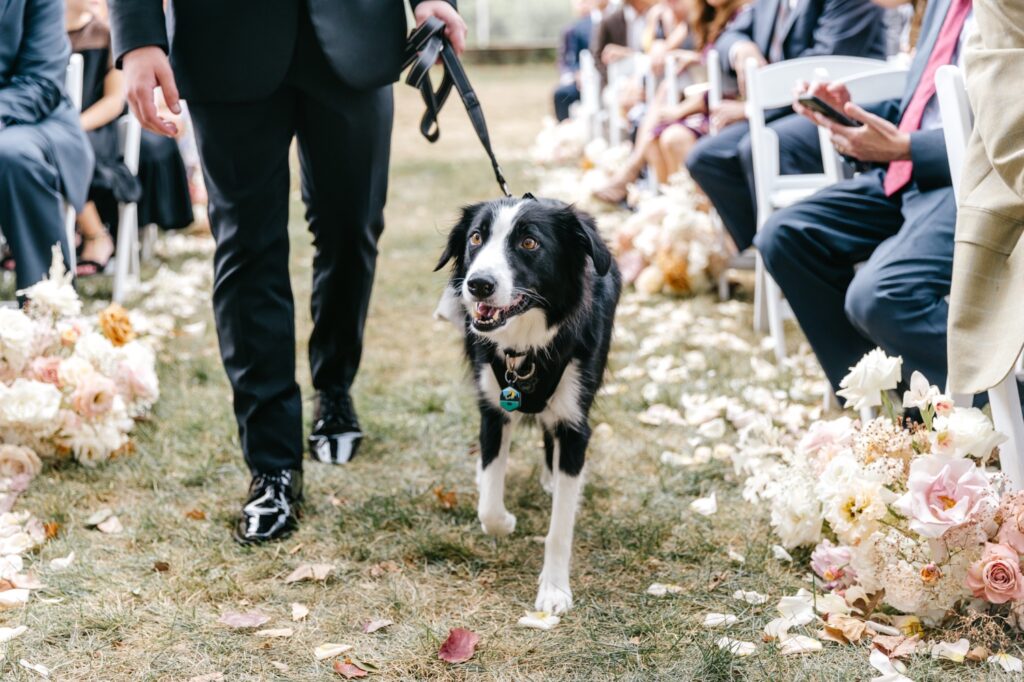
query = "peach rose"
x=45 y=369
x=94 y=396
x=996 y=577
x=115 y=325
x=16 y=460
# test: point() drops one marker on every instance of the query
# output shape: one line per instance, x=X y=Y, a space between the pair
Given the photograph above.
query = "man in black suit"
x=257 y=73
x=897 y=219
x=772 y=31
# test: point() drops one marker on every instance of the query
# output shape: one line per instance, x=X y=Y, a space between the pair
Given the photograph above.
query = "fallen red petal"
x=347 y=670
x=459 y=647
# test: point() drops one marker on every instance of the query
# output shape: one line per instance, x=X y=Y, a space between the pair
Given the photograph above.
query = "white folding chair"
x=126 y=256
x=770 y=87
x=620 y=74
x=590 y=96
x=73 y=83
x=1007 y=417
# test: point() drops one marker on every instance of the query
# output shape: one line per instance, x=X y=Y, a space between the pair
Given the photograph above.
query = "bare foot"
x=614 y=192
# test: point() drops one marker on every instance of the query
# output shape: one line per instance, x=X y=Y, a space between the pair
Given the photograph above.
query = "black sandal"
x=91 y=268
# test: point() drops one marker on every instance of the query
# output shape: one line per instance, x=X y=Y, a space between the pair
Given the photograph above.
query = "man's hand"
x=834 y=94
x=456 y=27
x=739 y=54
x=146 y=68
x=613 y=53
x=877 y=141
x=728 y=112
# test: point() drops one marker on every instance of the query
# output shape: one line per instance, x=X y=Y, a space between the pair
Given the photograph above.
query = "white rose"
x=72 y=371
x=30 y=404
x=876 y=372
x=17 y=339
x=99 y=352
x=966 y=431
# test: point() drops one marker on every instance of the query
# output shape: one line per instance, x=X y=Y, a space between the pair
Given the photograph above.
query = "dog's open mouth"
x=487 y=317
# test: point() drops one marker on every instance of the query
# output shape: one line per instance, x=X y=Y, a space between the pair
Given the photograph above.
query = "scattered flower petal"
x=539 y=620
x=660 y=589
x=378 y=624
x=35 y=667
x=330 y=650
x=897 y=646
x=705 y=506
x=736 y=647
x=348 y=670
x=98 y=517
x=956 y=652
x=880 y=662
x=299 y=611
x=780 y=553
x=250 y=619
x=209 y=677
x=1010 y=664
x=7 y=634
x=799 y=644
x=778 y=628
x=62 y=563
x=799 y=608
x=715 y=620
x=750 y=597
x=275 y=632
x=459 y=647
x=110 y=526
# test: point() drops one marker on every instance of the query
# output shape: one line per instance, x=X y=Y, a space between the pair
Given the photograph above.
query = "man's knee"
x=778 y=238
x=870 y=308
x=701 y=158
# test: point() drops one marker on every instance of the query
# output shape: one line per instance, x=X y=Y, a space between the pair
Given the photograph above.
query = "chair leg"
x=69 y=232
x=828 y=399
x=149 y=235
x=776 y=325
x=760 y=302
x=126 y=259
x=1008 y=420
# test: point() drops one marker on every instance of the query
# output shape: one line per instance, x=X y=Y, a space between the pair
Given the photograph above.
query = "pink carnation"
x=1011 y=512
x=44 y=369
x=996 y=577
x=943 y=491
x=832 y=564
x=94 y=396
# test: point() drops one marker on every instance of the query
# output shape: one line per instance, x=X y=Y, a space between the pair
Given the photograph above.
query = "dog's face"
x=521 y=263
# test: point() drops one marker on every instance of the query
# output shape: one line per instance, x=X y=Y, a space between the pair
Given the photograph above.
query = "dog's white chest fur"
x=563 y=407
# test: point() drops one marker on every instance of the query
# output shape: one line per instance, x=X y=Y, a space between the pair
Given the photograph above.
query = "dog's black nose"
x=481 y=286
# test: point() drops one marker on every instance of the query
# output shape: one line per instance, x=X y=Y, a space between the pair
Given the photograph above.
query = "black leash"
x=425 y=45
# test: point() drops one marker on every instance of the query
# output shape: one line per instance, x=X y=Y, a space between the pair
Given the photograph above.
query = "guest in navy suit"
x=773 y=31
x=44 y=156
x=575 y=39
x=899 y=217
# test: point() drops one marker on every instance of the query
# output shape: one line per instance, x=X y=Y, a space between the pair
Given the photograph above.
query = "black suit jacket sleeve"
x=34 y=89
x=927 y=150
x=843 y=26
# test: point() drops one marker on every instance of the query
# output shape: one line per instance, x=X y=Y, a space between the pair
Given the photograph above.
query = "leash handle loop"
x=426 y=44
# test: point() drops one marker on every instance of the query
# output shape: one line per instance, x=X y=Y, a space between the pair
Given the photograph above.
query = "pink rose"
x=832 y=564
x=94 y=396
x=943 y=491
x=996 y=577
x=1011 y=518
x=825 y=439
x=44 y=369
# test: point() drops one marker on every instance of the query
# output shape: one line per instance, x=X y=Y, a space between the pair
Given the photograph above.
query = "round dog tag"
x=510 y=399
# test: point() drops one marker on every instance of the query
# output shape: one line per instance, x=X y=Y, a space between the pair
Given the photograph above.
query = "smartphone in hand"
x=818 y=105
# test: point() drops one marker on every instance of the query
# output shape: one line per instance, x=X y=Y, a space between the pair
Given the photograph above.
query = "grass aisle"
x=398 y=552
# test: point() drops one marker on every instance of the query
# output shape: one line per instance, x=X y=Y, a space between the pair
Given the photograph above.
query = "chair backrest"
x=74 y=78
x=957 y=119
x=865 y=88
x=714 y=65
x=590 y=82
x=625 y=68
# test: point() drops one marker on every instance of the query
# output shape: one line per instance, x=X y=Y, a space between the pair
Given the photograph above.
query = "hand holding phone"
x=820 y=106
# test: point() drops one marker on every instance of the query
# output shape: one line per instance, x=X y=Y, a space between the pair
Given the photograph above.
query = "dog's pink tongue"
x=484 y=309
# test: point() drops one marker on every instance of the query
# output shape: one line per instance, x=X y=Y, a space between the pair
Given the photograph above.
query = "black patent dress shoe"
x=336 y=435
x=272 y=510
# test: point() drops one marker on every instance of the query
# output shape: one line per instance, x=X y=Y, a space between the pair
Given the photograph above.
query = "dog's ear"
x=457 y=237
x=593 y=244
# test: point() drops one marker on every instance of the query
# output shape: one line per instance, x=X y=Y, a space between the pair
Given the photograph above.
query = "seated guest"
x=44 y=156
x=103 y=102
x=671 y=129
x=575 y=39
x=619 y=35
x=774 y=31
x=899 y=217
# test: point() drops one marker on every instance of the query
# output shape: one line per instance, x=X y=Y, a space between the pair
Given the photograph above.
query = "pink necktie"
x=899 y=172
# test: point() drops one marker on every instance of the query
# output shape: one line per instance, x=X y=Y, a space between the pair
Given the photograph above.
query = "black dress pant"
x=344 y=140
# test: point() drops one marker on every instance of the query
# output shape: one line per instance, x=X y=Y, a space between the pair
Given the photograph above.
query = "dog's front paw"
x=553 y=598
x=498 y=525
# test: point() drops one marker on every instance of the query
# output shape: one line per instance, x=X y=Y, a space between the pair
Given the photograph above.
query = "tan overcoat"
x=986 y=315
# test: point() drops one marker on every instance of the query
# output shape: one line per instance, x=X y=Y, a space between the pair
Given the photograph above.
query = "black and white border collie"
x=536 y=290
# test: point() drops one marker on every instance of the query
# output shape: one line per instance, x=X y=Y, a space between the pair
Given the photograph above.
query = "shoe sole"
x=328 y=449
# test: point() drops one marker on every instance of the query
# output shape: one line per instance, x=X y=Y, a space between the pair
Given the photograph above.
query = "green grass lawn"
x=398 y=553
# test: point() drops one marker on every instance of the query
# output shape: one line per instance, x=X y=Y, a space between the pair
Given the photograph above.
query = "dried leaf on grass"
x=161 y=566
x=196 y=514
x=309 y=572
x=52 y=529
x=448 y=499
x=250 y=619
x=348 y=670
x=377 y=624
x=844 y=629
x=459 y=647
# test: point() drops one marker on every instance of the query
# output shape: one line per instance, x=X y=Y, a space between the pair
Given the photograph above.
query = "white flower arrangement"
x=70 y=384
x=908 y=508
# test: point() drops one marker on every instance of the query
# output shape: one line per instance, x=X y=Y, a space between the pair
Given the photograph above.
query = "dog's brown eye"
x=476 y=239
x=530 y=244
